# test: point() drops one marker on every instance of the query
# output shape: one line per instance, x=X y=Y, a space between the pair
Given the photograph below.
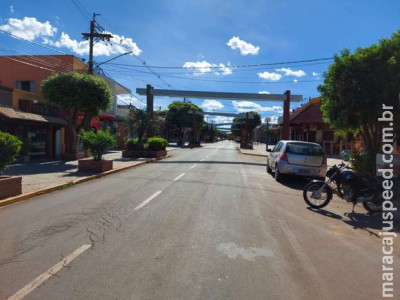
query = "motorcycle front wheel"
x=317 y=194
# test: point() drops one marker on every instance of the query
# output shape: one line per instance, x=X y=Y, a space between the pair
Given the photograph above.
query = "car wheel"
x=269 y=170
x=278 y=175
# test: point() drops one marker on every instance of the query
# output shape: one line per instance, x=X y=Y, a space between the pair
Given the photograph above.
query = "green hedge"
x=10 y=146
x=133 y=144
x=157 y=143
x=98 y=142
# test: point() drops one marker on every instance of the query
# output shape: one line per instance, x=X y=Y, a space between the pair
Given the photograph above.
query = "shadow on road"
x=207 y=162
x=363 y=221
x=293 y=182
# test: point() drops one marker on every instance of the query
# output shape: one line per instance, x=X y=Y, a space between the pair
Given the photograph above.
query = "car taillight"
x=324 y=160
x=283 y=156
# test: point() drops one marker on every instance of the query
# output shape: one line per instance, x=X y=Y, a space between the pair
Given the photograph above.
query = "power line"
x=32 y=42
x=82 y=10
x=227 y=81
x=184 y=71
x=152 y=71
x=231 y=66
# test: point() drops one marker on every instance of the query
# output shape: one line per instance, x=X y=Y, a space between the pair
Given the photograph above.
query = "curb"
x=26 y=196
x=252 y=154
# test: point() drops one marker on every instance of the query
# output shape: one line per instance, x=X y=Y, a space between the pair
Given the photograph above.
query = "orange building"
x=25 y=113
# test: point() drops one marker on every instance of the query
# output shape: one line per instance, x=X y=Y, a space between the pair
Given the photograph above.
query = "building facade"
x=25 y=113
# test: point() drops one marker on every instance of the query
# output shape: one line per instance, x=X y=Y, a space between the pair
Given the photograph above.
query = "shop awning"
x=18 y=115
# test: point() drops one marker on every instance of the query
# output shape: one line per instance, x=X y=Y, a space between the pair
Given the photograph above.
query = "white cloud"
x=12 y=10
x=264 y=92
x=295 y=80
x=211 y=105
x=290 y=72
x=29 y=28
x=270 y=76
x=202 y=67
x=244 y=47
x=274 y=119
x=316 y=75
x=244 y=106
x=219 y=120
x=118 y=45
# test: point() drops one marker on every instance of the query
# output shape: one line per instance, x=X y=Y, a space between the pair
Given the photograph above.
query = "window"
x=26 y=85
x=304 y=149
x=278 y=147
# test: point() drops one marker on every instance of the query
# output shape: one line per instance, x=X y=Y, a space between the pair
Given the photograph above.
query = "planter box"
x=10 y=186
x=144 y=153
x=72 y=156
x=88 y=164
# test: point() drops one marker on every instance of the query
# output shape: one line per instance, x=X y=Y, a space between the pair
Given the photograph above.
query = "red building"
x=306 y=124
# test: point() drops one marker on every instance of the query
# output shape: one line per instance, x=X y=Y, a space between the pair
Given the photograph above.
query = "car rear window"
x=305 y=149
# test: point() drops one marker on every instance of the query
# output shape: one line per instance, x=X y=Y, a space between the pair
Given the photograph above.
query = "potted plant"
x=10 y=146
x=98 y=143
x=153 y=147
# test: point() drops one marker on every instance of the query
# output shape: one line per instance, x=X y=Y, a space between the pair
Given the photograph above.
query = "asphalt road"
x=207 y=223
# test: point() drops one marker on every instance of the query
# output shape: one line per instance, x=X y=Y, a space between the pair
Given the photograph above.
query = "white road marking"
x=202 y=159
x=147 y=201
x=194 y=166
x=50 y=272
x=177 y=178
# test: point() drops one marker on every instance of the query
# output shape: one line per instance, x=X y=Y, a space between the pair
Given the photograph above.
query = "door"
x=58 y=143
x=274 y=154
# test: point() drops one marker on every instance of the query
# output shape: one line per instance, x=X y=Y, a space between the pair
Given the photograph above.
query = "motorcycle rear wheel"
x=373 y=206
x=317 y=196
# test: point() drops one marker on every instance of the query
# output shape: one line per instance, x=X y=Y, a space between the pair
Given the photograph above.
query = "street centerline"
x=177 y=178
x=194 y=166
x=50 y=272
x=147 y=201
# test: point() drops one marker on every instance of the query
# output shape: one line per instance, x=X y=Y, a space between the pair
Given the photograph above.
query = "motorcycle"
x=348 y=185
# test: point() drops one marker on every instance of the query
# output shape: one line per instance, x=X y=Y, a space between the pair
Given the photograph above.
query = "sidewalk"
x=42 y=174
x=259 y=149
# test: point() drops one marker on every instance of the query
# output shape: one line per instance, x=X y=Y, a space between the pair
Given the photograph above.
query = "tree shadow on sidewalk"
x=39 y=167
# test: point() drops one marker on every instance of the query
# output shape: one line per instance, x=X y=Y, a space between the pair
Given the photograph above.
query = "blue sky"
x=204 y=33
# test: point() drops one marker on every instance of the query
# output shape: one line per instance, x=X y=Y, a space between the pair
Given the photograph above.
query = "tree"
x=179 y=117
x=77 y=93
x=9 y=149
x=356 y=85
x=138 y=122
x=240 y=123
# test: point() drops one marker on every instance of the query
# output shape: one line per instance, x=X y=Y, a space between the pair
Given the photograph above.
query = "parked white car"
x=297 y=158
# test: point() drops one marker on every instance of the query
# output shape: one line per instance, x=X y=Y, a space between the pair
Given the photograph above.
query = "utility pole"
x=90 y=36
x=286 y=117
x=150 y=110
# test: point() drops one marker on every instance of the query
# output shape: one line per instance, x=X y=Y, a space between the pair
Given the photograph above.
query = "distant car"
x=297 y=158
x=237 y=139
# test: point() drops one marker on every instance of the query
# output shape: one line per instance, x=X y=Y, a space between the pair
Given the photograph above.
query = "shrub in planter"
x=153 y=148
x=10 y=146
x=98 y=142
x=133 y=144
x=156 y=143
